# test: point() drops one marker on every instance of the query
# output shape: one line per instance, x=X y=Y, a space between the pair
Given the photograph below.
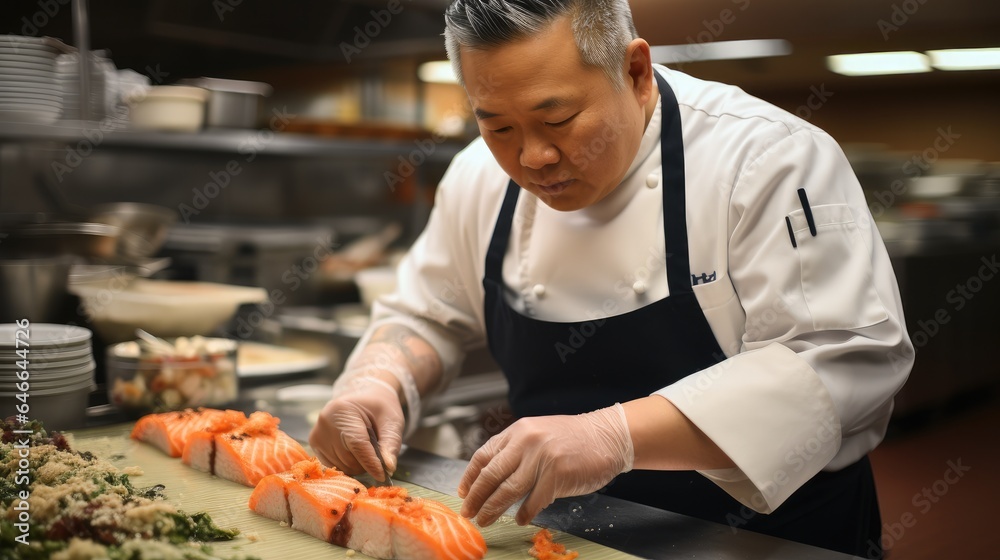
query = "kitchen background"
x=350 y=137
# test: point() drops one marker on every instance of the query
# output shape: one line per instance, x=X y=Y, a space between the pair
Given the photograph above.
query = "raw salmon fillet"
x=199 y=452
x=170 y=431
x=270 y=497
x=243 y=452
x=311 y=498
x=385 y=522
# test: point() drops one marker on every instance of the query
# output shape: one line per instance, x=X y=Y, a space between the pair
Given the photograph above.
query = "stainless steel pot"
x=232 y=103
x=33 y=289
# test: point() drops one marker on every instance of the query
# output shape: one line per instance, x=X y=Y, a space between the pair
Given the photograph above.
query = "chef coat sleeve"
x=824 y=348
x=439 y=292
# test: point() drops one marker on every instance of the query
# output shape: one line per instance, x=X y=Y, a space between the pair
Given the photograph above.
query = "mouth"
x=553 y=189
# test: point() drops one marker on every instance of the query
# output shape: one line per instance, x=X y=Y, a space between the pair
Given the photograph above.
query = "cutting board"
x=194 y=491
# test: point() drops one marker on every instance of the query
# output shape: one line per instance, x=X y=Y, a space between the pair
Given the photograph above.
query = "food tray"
x=194 y=491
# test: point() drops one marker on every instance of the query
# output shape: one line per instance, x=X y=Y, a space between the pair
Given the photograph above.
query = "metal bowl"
x=146 y=226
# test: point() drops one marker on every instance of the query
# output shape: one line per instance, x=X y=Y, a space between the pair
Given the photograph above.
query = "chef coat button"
x=639 y=287
x=539 y=290
x=653 y=180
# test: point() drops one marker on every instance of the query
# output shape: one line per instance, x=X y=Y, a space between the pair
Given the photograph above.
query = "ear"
x=639 y=65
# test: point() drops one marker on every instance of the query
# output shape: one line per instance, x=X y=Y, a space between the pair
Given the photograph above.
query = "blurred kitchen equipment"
x=257 y=360
x=375 y=282
x=147 y=224
x=84 y=239
x=175 y=108
x=147 y=377
x=164 y=308
x=34 y=289
x=936 y=186
x=364 y=252
x=331 y=331
x=232 y=103
x=102 y=71
x=61 y=376
x=282 y=259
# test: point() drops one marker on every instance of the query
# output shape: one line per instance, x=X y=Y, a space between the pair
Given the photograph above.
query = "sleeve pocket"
x=836 y=272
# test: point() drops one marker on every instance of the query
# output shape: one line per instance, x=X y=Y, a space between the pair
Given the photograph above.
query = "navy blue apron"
x=629 y=356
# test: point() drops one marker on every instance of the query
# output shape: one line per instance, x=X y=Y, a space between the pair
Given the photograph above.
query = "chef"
x=682 y=284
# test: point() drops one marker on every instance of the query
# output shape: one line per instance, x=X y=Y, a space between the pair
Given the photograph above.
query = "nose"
x=537 y=152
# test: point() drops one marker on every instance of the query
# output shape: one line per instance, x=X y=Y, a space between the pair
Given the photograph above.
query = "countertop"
x=625 y=526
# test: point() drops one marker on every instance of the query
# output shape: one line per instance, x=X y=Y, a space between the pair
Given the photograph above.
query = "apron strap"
x=501 y=235
x=675 y=237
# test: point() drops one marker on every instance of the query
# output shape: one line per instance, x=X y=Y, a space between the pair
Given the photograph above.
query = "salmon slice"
x=311 y=498
x=249 y=452
x=385 y=522
x=270 y=497
x=199 y=452
x=170 y=431
x=319 y=498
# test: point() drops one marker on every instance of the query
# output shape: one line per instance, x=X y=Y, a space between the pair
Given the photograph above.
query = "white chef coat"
x=813 y=334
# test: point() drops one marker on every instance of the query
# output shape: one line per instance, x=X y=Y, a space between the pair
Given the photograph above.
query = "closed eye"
x=562 y=122
x=503 y=130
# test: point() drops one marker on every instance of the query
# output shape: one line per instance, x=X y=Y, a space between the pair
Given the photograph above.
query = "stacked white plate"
x=49 y=368
x=29 y=89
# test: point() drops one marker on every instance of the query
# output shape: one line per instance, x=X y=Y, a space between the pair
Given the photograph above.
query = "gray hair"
x=602 y=29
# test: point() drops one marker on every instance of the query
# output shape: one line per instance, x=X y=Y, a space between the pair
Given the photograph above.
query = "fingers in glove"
x=487 y=482
x=390 y=439
x=325 y=442
x=542 y=495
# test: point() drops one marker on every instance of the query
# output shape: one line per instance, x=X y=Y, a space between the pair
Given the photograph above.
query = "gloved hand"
x=545 y=458
x=340 y=436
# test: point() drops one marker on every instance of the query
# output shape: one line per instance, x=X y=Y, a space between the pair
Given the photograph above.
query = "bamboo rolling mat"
x=194 y=491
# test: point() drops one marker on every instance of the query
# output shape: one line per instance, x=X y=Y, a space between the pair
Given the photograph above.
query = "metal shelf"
x=262 y=142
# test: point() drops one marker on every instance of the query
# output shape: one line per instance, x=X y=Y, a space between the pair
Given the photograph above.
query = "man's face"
x=559 y=128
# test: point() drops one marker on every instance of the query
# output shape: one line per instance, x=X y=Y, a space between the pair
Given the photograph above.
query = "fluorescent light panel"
x=720 y=50
x=438 y=71
x=966 y=59
x=872 y=64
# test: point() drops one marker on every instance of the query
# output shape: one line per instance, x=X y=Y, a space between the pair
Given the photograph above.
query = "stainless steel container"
x=232 y=103
x=33 y=289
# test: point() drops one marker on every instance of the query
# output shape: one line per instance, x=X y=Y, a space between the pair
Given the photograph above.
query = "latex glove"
x=340 y=436
x=545 y=458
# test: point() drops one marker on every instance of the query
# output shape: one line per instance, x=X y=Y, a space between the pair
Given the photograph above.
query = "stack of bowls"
x=49 y=368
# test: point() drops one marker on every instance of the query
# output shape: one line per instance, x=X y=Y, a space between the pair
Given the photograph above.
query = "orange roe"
x=544 y=549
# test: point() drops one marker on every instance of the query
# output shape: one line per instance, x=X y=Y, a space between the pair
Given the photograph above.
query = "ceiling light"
x=966 y=59
x=439 y=71
x=872 y=64
x=720 y=50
